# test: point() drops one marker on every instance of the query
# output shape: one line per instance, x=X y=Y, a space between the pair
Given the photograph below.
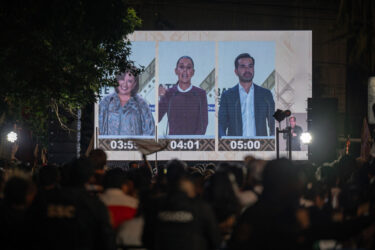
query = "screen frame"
x=293 y=66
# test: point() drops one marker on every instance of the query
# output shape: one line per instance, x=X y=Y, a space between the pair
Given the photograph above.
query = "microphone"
x=271 y=132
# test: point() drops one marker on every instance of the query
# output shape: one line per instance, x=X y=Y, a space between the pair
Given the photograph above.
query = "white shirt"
x=186 y=90
x=247 y=111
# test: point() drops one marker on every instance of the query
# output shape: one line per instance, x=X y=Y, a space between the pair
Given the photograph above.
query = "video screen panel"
x=246 y=116
x=187 y=108
x=210 y=94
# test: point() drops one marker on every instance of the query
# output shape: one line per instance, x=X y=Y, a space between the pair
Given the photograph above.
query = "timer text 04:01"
x=180 y=144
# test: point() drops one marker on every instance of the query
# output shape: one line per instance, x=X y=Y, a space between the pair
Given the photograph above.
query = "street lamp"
x=306 y=138
x=12 y=136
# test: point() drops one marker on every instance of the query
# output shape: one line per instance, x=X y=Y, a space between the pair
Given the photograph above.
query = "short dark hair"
x=184 y=57
x=132 y=71
x=98 y=158
x=49 y=175
x=79 y=171
x=240 y=56
x=132 y=163
x=16 y=189
x=176 y=170
x=115 y=178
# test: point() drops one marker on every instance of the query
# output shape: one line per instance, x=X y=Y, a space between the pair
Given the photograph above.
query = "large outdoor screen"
x=210 y=94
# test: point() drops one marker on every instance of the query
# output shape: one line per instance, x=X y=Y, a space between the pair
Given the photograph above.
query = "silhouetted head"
x=80 y=171
x=98 y=158
x=281 y=181
x=49 y=176
x=19 y=192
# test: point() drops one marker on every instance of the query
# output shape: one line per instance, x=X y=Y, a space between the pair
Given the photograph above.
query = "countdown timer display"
x=210 y=95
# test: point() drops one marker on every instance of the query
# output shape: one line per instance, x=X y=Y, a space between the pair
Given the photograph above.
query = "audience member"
x=99 y=160
x=72 y=218
x=220 y=195
x=178 y=220
x=272 y=222
x=19 y=193
x=48 y=177
x=121 y=205
x=260 y=205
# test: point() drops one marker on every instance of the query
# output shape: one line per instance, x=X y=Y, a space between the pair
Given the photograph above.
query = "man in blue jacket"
x=246 y=109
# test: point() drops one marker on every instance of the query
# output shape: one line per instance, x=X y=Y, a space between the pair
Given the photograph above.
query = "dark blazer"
x=230 y=118
x=296 y=143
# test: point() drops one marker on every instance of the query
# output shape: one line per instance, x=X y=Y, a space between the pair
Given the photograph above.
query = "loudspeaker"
x=62 y=144
x=322 y=124
x=87 y=127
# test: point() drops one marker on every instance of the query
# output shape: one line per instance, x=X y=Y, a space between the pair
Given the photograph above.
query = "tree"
x=57 y=54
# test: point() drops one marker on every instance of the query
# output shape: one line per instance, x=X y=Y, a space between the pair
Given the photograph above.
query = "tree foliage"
x=57 y=54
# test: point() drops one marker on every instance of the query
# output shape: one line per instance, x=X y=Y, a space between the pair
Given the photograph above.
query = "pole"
x=290 y=142
x=156 y=154
x=277 y=143
x=283 y=131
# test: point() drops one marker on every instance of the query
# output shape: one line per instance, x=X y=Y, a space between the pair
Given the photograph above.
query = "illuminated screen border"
x=293 y=86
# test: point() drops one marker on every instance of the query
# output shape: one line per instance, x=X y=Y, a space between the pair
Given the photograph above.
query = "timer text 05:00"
x=244 y=145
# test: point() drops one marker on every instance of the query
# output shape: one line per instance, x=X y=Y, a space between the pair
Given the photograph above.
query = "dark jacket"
x=13 y=232
x=296 y=142
x=70 y=218
x=230 y=118
x=178 y=222
x=187 y=112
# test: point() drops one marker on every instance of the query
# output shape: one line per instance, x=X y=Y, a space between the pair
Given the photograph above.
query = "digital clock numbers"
x=262 y=144
x=195 y=144
x=184 y=145
x=123 y=145
x=246 y=145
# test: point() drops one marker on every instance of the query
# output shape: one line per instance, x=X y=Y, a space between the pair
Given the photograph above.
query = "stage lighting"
x=12 y=136
x=306 y=138
x=280 y=115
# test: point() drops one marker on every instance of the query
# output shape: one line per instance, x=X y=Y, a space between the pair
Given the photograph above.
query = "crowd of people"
x=255 y=204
